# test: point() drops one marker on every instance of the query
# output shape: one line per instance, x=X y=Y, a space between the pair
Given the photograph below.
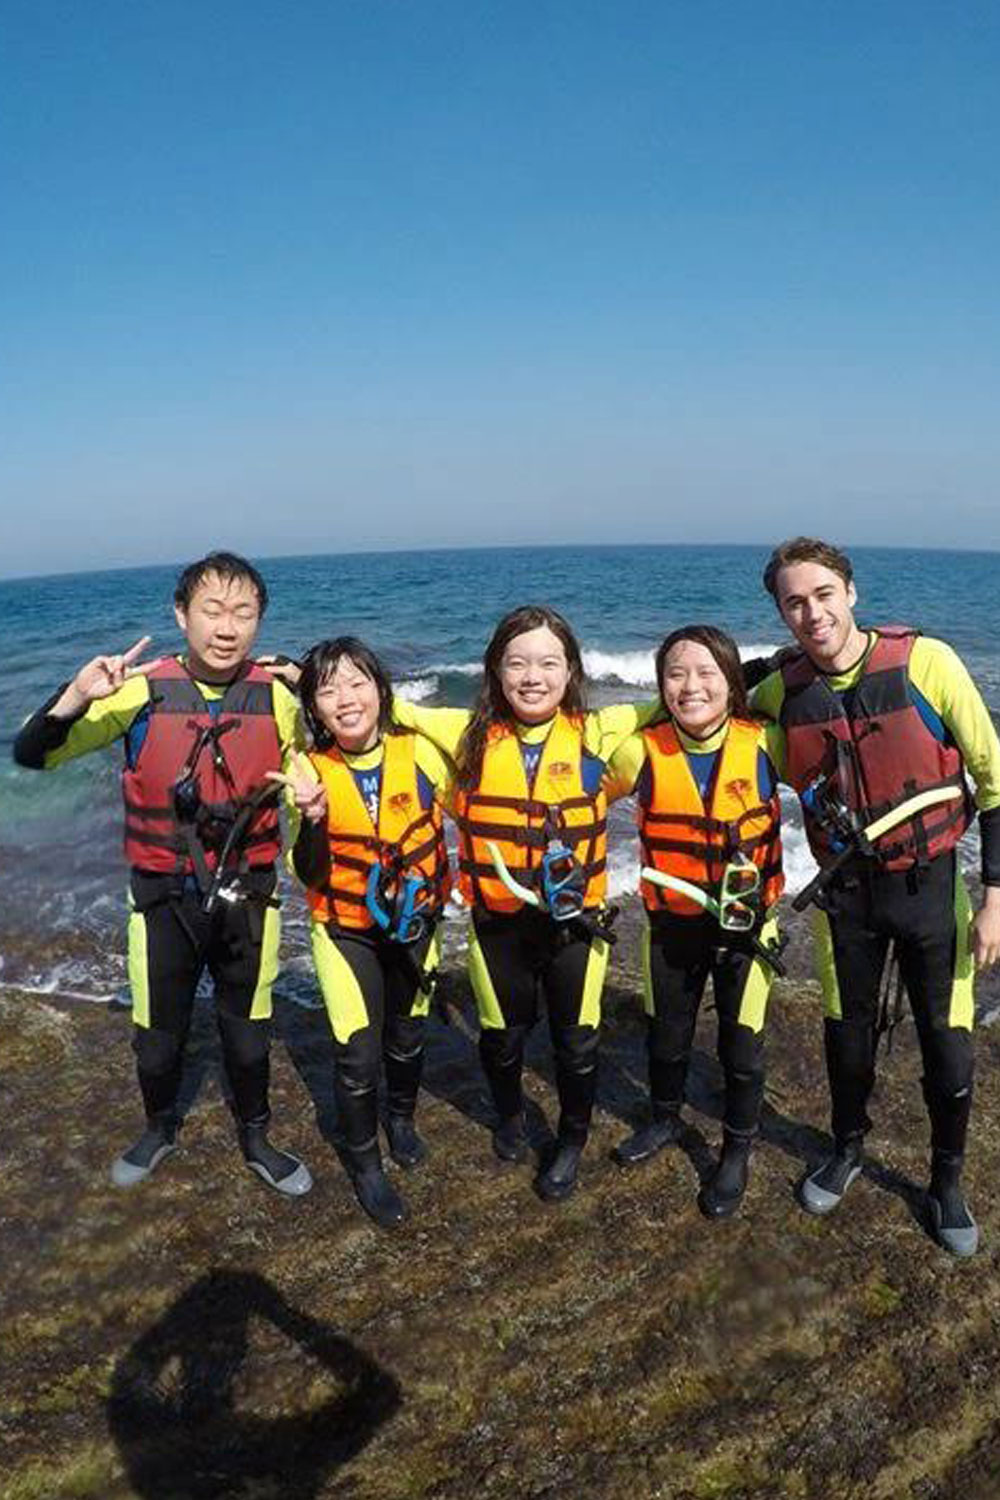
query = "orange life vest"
x=409 y=838
x=681 y=836
x=520 y=820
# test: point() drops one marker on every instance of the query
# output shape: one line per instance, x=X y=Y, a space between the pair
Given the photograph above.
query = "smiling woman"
x=532 y=823
x=709 y=824
x=372 y=857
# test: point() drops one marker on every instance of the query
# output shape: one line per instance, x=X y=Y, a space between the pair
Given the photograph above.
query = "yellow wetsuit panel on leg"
x=760 y=976
x=647 y=974
x=138 y=966
x=422 y=1001
x=260 y=1005
x=825 y=964
x=342 y=994
x=961 y=1012
x=593 y=983
x=487 y=1004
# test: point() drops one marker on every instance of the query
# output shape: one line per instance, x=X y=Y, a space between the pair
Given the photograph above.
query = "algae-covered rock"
x=200 y=1336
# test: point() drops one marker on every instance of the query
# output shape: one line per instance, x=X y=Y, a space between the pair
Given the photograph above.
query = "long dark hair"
x=724 y=653
x=492 y=707
x=320 y=664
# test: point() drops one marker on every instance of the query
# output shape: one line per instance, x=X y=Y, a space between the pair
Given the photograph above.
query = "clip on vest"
x=863 y=840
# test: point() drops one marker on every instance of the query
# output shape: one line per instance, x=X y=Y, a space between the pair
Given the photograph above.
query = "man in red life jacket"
x=872 y=718
x=201 y=732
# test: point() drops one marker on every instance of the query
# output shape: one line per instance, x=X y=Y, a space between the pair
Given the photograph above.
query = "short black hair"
x=229 y=567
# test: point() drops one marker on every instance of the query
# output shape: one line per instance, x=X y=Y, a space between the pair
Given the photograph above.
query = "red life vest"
x=409 y=836
x=682 y=836
x=878 y=751
x=502 y=810
x=228 y=770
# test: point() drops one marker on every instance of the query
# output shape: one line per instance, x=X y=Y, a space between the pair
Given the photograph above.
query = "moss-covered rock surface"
x=199 y=1336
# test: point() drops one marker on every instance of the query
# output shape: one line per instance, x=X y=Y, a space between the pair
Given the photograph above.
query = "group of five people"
x=876 y=730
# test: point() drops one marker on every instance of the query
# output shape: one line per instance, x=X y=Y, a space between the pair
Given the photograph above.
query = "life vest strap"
x=526 y=874
x=528 y=807
x=723 y=850
x=706 y=824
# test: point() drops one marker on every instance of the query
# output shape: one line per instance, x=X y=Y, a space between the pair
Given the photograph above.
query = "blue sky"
x=348 y=274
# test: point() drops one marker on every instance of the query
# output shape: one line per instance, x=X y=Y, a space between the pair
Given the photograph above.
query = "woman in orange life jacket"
x=707 y=802
x=529 y=790
x=371 y=855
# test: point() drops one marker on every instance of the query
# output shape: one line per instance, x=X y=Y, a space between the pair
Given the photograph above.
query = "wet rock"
x=199 y=1336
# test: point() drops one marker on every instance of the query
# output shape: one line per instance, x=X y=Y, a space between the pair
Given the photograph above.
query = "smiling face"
x=347 y=704
x=534 y=674
x=220 y=625
x=817 y=606
x=694 y=688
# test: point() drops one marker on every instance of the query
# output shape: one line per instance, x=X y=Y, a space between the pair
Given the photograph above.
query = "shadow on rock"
x=180 y=1398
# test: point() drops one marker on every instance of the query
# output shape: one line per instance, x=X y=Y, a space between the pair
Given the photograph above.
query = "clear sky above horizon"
x=365 y=274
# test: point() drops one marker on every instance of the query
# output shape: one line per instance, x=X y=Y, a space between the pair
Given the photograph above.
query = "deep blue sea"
x=429 y=614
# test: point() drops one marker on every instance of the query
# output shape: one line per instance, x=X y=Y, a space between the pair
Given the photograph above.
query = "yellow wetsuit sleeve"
x=291 y=737
x=940 y=676
x=607 y=728
x=105 y=721
x=443 y=726
x=625 y=767
x=767 y=699
x=438 y=769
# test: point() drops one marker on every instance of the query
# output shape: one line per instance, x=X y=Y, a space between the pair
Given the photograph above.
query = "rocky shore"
x=200 y=1337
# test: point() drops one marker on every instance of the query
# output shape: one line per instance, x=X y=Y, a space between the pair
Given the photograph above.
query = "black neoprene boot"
x=279 y=1169
x=373 y=1189
x=559 y=1178
x=666 y=1128
x=158 y=1140
x=722 y=1194
x=954 y=1227
x=405 y=1146
x=821 y=1191
x=510 y=1139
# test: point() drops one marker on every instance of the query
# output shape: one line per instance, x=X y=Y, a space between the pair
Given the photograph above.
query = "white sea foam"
x=633 y=667
x=416 y=689
x=751 y=649
x=629 y=668
x=456 y=668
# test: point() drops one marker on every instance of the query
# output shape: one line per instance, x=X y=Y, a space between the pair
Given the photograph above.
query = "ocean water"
x=429 y=614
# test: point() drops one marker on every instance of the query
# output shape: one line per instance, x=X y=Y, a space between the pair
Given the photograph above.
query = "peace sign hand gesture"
x=308 y=794
x=101 y=677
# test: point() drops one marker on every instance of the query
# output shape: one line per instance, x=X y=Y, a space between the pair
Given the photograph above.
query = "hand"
x=283 y=667
x=986 y=929
x=101 y=677
x=308 y=794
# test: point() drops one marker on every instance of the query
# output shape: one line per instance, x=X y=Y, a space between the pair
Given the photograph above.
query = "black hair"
x=229 y=567
x=492 y=706
x=319 y=665
x=724 y=652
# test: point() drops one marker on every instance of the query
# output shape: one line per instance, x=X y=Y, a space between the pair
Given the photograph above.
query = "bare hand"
x=986 y=929
x=103 y=676
x=308 y=794
x=283 y=667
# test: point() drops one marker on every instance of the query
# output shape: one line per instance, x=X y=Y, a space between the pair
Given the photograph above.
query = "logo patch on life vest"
x=560 y=770
x=400 y=800
x=740 y=788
